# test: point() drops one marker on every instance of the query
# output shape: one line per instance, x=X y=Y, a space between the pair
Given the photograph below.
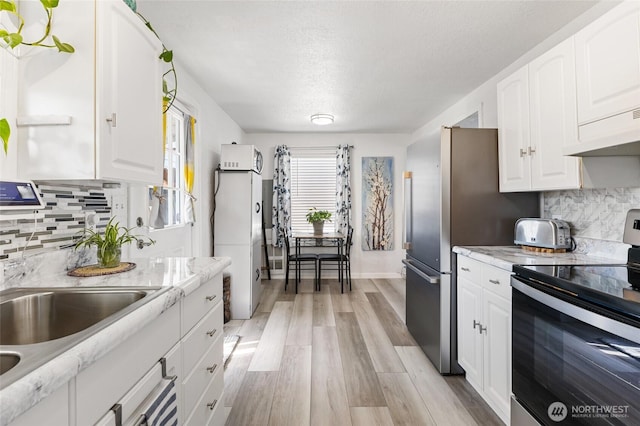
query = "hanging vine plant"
x=12 y=38
x=170 y=90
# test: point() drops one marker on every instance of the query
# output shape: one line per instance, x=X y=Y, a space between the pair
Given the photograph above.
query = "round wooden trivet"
x=95 y=270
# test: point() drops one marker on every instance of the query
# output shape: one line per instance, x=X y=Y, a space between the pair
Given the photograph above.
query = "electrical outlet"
x=119 y=207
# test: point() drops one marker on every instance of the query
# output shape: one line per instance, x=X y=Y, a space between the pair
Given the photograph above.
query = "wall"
x=369 y=264
x=213 y=128
x=594 y=214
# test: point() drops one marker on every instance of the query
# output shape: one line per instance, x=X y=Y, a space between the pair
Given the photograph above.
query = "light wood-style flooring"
x=326 y=358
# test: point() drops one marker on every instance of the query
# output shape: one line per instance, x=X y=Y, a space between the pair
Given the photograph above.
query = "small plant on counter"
x=109 y=243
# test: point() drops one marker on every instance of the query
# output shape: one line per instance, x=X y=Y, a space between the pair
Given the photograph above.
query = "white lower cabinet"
x=202 y=382
x=484 y=331
x=188 y=337
x=51 y=411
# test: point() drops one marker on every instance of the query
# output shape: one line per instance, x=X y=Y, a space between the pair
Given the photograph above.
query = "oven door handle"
x=594 y=319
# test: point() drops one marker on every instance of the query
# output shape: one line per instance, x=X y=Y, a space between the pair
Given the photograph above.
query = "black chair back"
x=286 y=243
x=349 y=241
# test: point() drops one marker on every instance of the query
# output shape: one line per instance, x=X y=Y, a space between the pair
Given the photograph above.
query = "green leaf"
x=12 y=39
x=5 y=132
x=167 y=55
x=7 y=5
x=165 y=88
x=49 y=3
x=63 y=47
x=3 y=33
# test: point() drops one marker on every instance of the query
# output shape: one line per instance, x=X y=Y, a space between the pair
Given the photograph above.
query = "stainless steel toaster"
x=545 y=233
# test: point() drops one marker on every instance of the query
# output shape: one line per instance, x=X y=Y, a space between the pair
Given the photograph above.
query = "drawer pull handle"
x=465 y=269
x=483 y=329
x=210 y=298
x=496 y=282
x=212 y=405
x=212 y=369
x=476 y=323
x=212 y=332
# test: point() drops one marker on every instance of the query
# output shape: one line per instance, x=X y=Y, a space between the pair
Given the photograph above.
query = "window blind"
x=313 y=184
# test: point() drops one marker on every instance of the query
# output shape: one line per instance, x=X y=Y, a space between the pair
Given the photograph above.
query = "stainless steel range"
x=576 y=341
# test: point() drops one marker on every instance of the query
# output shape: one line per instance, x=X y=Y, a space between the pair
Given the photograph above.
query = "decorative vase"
x=318 y=227
x=109 y=257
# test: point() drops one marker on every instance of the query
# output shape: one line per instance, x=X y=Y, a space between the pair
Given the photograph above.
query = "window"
x=313 y=184
x=171 y=209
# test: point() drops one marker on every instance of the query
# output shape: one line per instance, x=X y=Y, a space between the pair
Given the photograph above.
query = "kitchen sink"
x=38 y=324
x=8 y=361
x=32 y=315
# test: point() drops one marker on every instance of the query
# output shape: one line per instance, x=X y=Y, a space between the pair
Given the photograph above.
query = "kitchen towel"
x=163 y=409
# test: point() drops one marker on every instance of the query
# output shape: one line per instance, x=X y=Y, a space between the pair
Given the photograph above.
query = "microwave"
x=240 y=158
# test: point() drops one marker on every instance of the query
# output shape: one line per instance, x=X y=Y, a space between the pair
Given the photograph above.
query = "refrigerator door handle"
x=429 y=278
x=406 y=223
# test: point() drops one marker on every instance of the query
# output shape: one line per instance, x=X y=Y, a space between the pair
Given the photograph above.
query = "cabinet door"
x=553 y=120
x=608 y=64
x=469 y=337
x=497 y=353
x=513 y=132
x=129 y=97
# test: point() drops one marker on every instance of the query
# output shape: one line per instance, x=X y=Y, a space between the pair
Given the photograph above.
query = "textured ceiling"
x=381 y=66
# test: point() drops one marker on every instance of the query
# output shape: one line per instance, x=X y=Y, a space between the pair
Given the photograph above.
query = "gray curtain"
x=281 y=211
x=343 y=189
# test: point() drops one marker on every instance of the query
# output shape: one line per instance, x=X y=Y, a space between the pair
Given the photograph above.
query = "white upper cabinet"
x=513 y=132
x=552 y=118
x=608 y=83
x=536 y=119
x=96 y=113
x=608 y=64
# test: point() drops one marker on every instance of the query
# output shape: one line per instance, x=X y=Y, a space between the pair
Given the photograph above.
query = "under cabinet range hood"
x=618 y=135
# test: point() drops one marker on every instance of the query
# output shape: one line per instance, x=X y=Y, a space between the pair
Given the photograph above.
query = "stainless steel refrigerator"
x=451 y=198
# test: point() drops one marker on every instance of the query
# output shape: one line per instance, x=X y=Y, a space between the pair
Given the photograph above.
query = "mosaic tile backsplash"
x=56 y=226
x=593 y=213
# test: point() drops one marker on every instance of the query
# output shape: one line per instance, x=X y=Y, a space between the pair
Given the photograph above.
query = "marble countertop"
x=504 y=257
x=181 y=276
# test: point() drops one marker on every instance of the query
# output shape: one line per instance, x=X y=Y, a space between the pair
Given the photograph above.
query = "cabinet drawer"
x=198 y=303
x=105 y=382
x=209 y=407
x=200 y=338
x=469 y=268
x=496 y=280
x=197 y=380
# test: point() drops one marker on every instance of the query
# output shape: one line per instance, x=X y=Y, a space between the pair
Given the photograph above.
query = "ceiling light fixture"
x=322 y=119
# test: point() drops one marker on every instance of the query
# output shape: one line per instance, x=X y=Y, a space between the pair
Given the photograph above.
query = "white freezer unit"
x=238 y=235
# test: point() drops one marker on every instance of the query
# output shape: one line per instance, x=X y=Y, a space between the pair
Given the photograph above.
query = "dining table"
x=310 y=239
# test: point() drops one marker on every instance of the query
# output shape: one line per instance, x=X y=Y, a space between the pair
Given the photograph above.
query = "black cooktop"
x=612 y=287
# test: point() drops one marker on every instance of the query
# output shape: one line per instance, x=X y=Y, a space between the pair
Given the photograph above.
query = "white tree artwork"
x=377 y=203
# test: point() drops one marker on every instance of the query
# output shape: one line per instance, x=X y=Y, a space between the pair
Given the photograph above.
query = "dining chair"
x=298 y=259
x=342 y=259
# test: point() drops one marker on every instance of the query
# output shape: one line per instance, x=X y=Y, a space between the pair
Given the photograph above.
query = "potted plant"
x=109 y=243
x=317 y=218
